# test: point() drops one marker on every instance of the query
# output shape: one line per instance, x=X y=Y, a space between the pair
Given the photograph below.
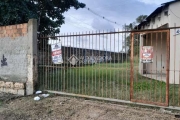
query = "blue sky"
x=120 y=11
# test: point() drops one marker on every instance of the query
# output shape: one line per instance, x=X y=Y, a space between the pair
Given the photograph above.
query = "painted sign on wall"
x=56 y=53
x=177 y=31
x=146 y=54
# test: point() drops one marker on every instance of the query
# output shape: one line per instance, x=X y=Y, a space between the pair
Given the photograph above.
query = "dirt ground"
x=68 y=108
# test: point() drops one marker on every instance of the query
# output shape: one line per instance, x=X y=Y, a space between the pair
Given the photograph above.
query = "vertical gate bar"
x=89 y=62
x=78 y=69
x=114 y=66
x=64 y=67
x=156 y=65
x=126 y=62
x=99 y=67
x=118 y=72
x=103 y=63
x=146 y=64
x=132 y=66
x=81 y=62
x=174 y=64
x=44 y=68
x=161 y=66
x=138 y=48
x=73 y=86
x=57 y=74
x=67 y=66
x=122 y=70
x=110 y=70
x=96 y=54
x=167 y=68
x=78 y=56
x=60 y=69
x=70 y=66
x=151 y=71
x=83 y=76
x=106 y=68
x=85 y=65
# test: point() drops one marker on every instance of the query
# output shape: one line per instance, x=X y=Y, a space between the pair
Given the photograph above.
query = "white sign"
x=177 y=31
x=73 y=60
x=56 y=53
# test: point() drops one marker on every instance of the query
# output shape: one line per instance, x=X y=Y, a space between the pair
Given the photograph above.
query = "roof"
x=155 y=12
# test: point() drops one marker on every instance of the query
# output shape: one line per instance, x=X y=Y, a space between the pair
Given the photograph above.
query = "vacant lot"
x=68 y=108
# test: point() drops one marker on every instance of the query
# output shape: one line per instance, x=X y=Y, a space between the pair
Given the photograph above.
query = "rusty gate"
x=124 y=66
x=150 y=80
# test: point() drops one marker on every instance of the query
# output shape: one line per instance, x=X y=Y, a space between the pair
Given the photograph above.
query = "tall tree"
x=140 y=18
x=130 y=27
x=49 y=13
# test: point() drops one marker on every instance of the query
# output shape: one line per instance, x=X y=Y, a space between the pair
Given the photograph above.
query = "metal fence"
x=113 y=66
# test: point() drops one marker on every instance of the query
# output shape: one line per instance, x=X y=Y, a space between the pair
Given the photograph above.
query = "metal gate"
x=150 y=79
x=112 y=66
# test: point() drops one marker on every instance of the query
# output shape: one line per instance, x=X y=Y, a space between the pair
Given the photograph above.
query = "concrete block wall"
x=18 y=58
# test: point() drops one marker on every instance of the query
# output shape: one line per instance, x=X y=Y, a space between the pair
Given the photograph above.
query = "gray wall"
x=18 y=45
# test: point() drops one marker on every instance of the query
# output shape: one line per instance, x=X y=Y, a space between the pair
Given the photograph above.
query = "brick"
x=19 y=31
x=1 y=31
x=18 y=86
x=9 y=85
x=21 y=92
x=25 y=26
x=14 y=30
x=14 y=26
x=10 y=27
x=2 y=83
x=24 y=30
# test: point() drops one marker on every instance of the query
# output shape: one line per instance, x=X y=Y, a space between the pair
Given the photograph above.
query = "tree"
x=141 y=18
x=130 y=27
x=49 y=13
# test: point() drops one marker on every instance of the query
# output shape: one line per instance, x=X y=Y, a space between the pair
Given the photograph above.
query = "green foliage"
x=140 y=18
x=49 y=13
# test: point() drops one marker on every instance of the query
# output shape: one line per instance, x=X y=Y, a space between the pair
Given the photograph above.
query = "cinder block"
x=18 y=86
x=2 y=83
x=9 y=85
x=21 y=92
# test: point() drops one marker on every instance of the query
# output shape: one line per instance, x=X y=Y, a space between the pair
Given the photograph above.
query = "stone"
x=1 y=89
x=9 y=85
x=21 y=92
x=12 y=91
x=18 y=86
x=2 y=83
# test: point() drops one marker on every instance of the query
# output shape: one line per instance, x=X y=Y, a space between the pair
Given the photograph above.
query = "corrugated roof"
x=155 y=12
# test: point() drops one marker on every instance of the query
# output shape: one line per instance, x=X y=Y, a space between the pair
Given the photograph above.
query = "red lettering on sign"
x=57 y=52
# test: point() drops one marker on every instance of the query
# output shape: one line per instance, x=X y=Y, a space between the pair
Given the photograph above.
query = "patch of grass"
x=110 y=80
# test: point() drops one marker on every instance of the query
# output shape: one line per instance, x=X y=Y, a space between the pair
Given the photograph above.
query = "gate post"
x=132 y=66
x=167 y=69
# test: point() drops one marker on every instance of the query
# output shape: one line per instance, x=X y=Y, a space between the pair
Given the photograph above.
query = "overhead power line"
x=102 y=16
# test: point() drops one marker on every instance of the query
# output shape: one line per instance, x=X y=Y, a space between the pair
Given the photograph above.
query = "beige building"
x=167 y=15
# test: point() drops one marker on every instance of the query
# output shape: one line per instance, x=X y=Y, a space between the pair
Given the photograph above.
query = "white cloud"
x=156 y=2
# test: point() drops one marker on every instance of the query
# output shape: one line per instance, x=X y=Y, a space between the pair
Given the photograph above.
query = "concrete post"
x=32 y=74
